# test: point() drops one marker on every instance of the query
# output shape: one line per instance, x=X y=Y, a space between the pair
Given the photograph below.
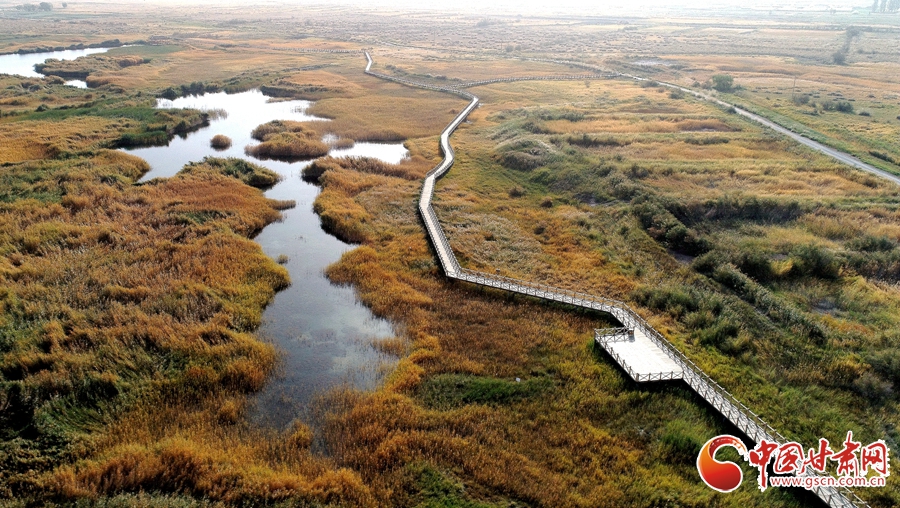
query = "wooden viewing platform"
x=638 y=355
x=644 y=353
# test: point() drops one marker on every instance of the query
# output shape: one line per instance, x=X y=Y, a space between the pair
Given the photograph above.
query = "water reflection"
x=23 y=65
x=323 y=331
x=244 y=111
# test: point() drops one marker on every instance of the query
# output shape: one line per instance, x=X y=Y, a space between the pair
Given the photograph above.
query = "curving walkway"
x=644 y=353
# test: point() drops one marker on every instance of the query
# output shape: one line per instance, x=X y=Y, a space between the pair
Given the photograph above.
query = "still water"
x=324 y=333
x=23 y=65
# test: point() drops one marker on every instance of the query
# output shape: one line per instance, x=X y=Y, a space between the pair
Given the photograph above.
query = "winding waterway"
x=324 y=333
x=23 y=65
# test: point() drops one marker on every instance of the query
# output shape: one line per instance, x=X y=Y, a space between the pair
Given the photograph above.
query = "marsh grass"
x=127 y=310
x=286 y=140
x=127 y=316
x=220 y=142
x=251 y=174
x=741 y=311
x=819 y=101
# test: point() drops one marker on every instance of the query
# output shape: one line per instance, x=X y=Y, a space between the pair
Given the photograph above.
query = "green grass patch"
x=438 y=490
x=454 y=390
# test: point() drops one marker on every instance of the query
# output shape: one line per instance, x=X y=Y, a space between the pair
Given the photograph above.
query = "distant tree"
x=874 y=5
x=801 y=99
x=894 y=5
x=844 y=107
x=65 y=5
x=45 y=6
x=884 y=5
x=839 y=57
x=723 y=82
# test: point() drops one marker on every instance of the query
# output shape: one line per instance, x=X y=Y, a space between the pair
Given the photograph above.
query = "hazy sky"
x=575 y=7
x=593 y=7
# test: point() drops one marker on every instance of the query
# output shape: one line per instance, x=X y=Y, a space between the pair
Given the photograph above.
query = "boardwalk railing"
x=607 y=336
x=740 y=415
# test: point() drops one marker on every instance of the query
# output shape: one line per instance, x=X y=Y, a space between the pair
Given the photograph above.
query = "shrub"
x=739 y=208
x=676 y=301
x=869 y=243
x=588 y=141
x=220 y=142
x=286 y=140
x=872 y=387
x=288 y=146
x=773 y=306
x=816 y=261
x=664 y=227
x=875 y=258
x=713 y=140
x=883 y=156
x=150 y=138
x=886 y=363
x=723 y=82
x=560 y=114
x=535 y=127
x=314 y=171
x=367 y=165
x=839 y=57
x=247 y=172
x=455 y=390
x=522 y=161
x=755 y=264
x=801 y=99
x=130 y=61
x=840 y=106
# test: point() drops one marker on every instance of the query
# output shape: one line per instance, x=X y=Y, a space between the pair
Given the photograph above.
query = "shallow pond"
x=324 y=333
x=23 y=65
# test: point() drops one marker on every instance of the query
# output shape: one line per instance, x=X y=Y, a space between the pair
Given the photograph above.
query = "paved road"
x=815 y=145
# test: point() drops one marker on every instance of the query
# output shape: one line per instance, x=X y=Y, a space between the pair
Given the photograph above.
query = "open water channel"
x=324 y=333
x=23 y=65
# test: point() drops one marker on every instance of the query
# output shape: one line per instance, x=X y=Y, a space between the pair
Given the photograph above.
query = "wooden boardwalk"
x=644 y=353
x=638 y=355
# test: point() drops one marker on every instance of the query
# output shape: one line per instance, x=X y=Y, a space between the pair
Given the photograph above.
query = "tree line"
x=885 y=5
x=43 y=6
